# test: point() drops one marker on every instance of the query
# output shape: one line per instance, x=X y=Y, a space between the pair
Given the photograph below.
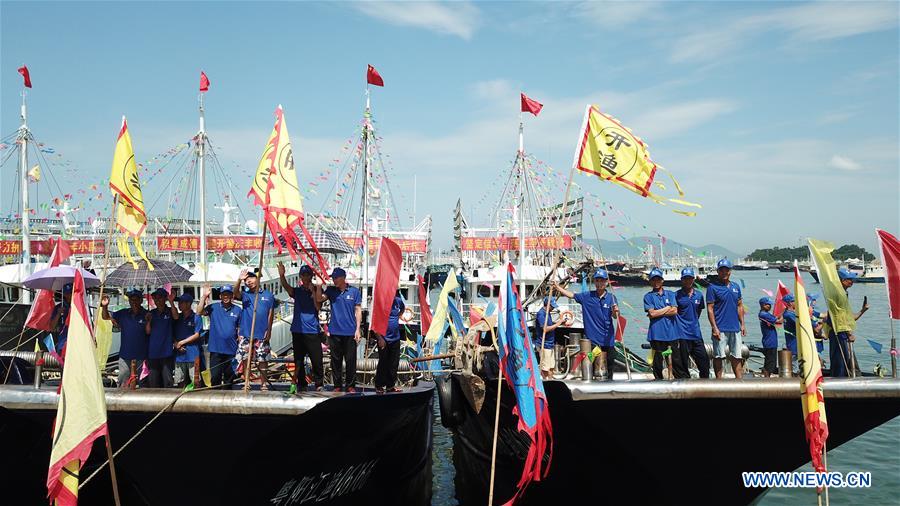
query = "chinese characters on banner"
x=406 y=245
x=43 y=247
x=512 y=243
x=213 y=243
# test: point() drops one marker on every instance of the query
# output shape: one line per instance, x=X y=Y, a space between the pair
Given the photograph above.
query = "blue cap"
x=338 y=273
x=305 y=269
x=766 y=300
x=160 y=292
x=252 y=274
x=67 y=288
x=655 y=273
x=185 y=297
x=134 y=292
x=687 y=272
x=552 y=302
x=724 y=263
x=601 y=274
x=788 y=298
x=227 y=288
x=843 y=273
x=811 y=297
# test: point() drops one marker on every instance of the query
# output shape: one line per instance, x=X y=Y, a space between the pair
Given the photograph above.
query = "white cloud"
x=611 y=14
x=811 y=22
x=843 y=163
x=450 y=18
x=494 y=89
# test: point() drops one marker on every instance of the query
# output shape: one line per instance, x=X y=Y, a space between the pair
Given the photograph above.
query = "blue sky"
x=780 y=118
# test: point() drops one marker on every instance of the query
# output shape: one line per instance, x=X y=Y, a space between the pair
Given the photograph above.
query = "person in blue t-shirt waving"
x=257 y=314
x=767 y=323
x=224 y=329
x=662 y=309
x=687 y=324
x=599 y=310
x=542 y=318
x=160 y=352
x=725 y=309
x=305 y=329
x=389 y=350
x=346 y=316
x=131 y=321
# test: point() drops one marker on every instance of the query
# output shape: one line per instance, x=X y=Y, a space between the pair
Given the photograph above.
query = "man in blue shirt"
x=599 y=311
x=305 y=330
x=389 y=350
x=160 y=350
x=687 y=324
x=346 y=316
x=257 y=314
x=767 y=323
x=839 y=347
x=542 y=318
x=59 y=319
x=725 y=309
x=132 y=323
x=224 y=328
x=187 y=343
x=662 y=309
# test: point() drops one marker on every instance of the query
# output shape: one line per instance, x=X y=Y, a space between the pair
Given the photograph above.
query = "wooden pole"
x=112 y=468
x=250 y=350
x=825 y=463
x=893 y=350
x=106 y=247
x=496 y=423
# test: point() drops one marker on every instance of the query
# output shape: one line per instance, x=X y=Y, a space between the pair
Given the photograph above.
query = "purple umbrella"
x=54 y=278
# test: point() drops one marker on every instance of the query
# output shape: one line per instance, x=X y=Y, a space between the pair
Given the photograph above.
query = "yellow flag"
x=812 y=400
x=131 y=219
x=609 y=150
x=440 y=312
x=842 y=318
x=81 y=412
x=103 y=336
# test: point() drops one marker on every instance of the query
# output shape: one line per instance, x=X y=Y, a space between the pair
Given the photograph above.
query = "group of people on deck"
x=165 y=343
x=673 y=329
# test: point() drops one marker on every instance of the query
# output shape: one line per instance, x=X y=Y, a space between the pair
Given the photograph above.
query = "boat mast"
x=24 y=134
x=201 y=155
x=521 y=168
x=365 y=201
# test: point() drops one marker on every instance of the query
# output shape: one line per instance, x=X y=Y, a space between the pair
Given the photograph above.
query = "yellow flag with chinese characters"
x=131 y=219
x=609 y=150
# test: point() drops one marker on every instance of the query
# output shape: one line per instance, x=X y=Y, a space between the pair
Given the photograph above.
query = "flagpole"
x=825 y=463
x=496 y=421
x=112 y=468
x=893 y=350
x=262 y=248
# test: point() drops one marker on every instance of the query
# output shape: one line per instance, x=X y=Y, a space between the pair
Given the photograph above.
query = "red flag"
x=373 y=77
x=425 y=319
x=387 y=279
x=42 y=307
x=474 y=316
x=890 y=258
x=620 y=329
x=24 y=71
x=780 y=306
x=204 y=81
x=530 y=105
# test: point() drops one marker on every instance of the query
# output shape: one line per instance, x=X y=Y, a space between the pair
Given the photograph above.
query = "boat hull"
x=349 y=449
x=653 y=444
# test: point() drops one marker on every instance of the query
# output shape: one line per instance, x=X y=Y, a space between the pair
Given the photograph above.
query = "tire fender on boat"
x=448 y=400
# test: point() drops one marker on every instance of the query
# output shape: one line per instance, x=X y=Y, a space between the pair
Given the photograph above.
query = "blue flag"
x=875 y=345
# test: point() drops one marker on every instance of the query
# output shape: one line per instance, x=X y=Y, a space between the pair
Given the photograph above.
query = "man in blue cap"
x=767 y=323
x=661 y=309
x=389 y=349
x=257 y=315
x=542 y=318
x=160 y=350
x=59 y=318
x=132 y=322
x=187 y=343
x=305 y=329
x=725 y=309
x=346 y=317
x=839 y=348
x=789 y=317
x=687 y=324
x=224 y=328
x=599 y=310
x=818 y=322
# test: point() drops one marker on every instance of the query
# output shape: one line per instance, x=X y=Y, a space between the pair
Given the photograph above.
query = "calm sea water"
x=877 y=451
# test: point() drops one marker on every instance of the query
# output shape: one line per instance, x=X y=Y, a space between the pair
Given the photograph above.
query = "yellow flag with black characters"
x=131 y=219
x=610 y=151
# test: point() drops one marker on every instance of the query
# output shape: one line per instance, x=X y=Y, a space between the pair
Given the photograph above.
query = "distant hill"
x=615 y=249
x=778 y=254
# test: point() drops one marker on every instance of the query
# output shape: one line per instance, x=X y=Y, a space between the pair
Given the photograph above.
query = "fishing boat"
x=302 y=448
